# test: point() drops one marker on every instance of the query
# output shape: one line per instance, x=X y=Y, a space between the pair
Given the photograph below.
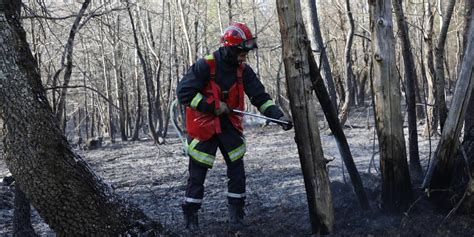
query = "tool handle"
x=262 y=117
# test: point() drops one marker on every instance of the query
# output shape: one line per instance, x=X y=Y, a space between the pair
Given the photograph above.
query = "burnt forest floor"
x=154 y=177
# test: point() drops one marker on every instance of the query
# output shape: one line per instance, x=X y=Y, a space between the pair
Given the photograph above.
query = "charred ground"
x=155 y=177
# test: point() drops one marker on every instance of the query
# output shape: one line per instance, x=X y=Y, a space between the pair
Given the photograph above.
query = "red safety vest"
x=203 y=126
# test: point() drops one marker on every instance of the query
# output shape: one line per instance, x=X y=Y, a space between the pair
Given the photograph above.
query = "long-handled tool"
x=262 y=117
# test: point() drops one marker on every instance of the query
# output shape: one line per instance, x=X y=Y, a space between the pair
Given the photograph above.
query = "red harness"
x=203 y=126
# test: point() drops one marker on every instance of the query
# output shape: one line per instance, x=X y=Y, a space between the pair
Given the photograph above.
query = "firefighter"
x=210 y=89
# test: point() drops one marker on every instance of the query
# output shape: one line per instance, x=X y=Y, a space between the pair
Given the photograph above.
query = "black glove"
x=223 y=109
x=286 y=126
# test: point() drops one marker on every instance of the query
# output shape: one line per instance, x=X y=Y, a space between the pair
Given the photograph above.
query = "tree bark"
x=468 y=142
x=317 y=44
x=410 y=80
x=313 y=164
x=68 y=195
x=440 y=171
x=396 y=186
x=439 y=63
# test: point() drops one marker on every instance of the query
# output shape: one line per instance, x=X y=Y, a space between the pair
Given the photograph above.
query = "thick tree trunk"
x=439 y=63
x=396 y=186
x=440 y=172
x=348 y=79
x=410 y=80
x=317 y=44
x=336 y=129
x=295 y=54
x=468 y=143
x=68 y=195
x=469 y=120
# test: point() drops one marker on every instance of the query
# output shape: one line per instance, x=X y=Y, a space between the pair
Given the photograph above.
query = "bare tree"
x=410 y=80
x=302 y=102
x=468 y=141
x=440 y=172
x=431 y=126
x=336 y=128
x=66 y=63
x=146 y=75
x=439 y=63
x=317 y=44
x=69 y=196
x=349 y=74
x=184 y=28
x=396 y=186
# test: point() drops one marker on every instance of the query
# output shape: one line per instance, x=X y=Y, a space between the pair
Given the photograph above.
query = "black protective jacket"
x=198 y=76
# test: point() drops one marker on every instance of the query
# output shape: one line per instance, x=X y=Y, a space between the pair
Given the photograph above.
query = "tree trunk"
x=317 y=44
x=469 y=120
x=138 y=118
x=151 y=127
x=22 y=216
x=439 y=63
x=431 y=127
x=410 y=80
x=68 y=195
x=440 y=171
x=336 y=129
x=186 y=34
x=468 y=142
x=396 y=186
x=302 y=101
x=118 y=77
x=108 y=93
x=348 y=79
x=66 y=63
x=229 y=6
x=257 y=56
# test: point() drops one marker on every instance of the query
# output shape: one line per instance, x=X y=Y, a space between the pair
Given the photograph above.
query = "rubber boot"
x=191 y=219
x=236 y=218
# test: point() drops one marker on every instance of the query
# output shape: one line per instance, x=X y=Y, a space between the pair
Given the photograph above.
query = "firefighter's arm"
x=191 y=84
x=258 y=96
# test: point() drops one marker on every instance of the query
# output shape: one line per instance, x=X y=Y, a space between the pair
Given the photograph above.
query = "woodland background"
x=109 y=70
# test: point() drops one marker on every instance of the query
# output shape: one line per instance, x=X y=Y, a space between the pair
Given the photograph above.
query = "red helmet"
x=238 y=34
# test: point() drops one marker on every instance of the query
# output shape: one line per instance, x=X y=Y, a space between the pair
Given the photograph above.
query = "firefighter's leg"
x=194 y=194
x=197 y=175
x=236 y=184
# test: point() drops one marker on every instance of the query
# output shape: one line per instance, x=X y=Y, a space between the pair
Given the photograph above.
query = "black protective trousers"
x=225 y=141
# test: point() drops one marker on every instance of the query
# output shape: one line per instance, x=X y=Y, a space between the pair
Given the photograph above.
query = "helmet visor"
x=249 y=44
